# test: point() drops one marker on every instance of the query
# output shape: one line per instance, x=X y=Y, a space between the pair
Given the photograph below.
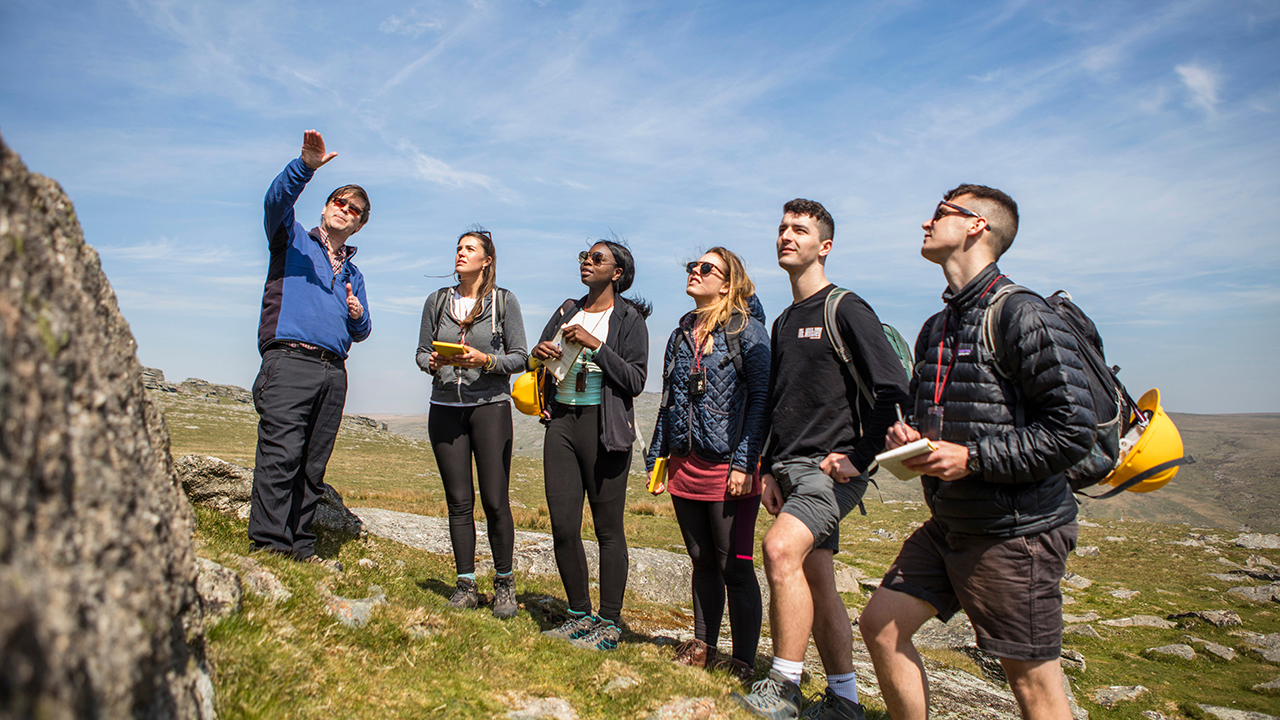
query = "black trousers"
x=299 y=400
x=575 y=465
x=482 y=431
x=720 y=538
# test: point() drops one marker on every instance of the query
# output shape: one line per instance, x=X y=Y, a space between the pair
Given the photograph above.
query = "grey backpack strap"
x=837 y=342
x=992 y=338
x=442 y=297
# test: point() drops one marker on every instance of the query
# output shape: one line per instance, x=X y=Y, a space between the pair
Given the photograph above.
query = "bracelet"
x=490 y=364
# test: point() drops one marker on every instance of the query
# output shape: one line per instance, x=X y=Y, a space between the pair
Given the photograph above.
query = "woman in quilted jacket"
x=711 y=427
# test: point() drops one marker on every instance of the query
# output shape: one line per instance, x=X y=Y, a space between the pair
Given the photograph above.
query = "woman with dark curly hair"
x=590 y=430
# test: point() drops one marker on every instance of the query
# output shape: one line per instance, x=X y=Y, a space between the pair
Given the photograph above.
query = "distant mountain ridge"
x=1235 y=483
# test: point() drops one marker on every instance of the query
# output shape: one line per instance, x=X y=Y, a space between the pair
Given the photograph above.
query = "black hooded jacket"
x=1019 y=488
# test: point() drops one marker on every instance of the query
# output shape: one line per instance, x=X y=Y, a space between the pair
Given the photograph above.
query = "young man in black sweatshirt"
x=825 y=435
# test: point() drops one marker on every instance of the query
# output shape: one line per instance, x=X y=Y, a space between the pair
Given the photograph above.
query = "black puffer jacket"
x=1020 y=488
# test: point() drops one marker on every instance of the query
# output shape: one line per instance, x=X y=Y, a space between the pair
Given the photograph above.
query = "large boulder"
x=99 y=614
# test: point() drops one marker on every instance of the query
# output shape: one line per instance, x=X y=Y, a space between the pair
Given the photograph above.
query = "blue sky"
x=1140 y=139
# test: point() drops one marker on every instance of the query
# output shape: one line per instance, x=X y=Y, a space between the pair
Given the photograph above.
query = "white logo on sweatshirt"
x=810 y=333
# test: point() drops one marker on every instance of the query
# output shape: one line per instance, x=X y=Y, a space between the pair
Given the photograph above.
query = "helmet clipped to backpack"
x=526 y=394
x=1151 y=451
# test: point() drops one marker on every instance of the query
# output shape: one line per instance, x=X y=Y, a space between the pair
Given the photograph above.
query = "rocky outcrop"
x=98 y=607
x=222 y=486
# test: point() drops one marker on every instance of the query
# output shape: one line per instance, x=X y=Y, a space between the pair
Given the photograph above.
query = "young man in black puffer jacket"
x=1003 y=517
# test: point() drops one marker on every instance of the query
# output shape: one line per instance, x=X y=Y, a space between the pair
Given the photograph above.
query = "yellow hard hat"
x=525 y=395
x=1152 y=453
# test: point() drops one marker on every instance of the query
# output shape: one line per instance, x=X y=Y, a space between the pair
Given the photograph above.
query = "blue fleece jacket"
x=303 y=300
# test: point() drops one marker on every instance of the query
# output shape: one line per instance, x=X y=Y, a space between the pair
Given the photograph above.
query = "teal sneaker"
x=575 y=626
x=774 y=697
x=604 y=636
x=833 y=707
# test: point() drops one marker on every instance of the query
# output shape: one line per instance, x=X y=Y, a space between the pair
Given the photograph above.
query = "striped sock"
x=789 y=669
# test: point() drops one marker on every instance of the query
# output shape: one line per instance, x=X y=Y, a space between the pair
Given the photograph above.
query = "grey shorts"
x=812 y=497
x=1009 y=586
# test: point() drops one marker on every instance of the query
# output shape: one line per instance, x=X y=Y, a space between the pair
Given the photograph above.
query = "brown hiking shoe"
x=742 y=671
x=464 y=595
x=504 y=597
x=695 y=653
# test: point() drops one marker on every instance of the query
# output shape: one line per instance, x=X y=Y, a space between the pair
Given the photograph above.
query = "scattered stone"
x=957 y=634
x=1139 y=621
x=215 y=483
x=1258 y=541
x=1223 y=713
x=260 y=581
x=1088 y=551
x=1068 y=600
x=219 y=589
x=1271 y=655
x=1076 y=581
x=1268 y=687
x=99 y=613
x=352 y=612
x=1259 y=640
x=1123 y=594
x=1221 y=651
x=1216 y=618
x=1086 y=618
x=847 y=578
x=620 y=683
x=1085 y=630
x=1113 y=538
x=1189 y=542
x=1086 y=523
x=1224 y=577
x=1261 y=593
x=1179 y=650
x=884 y=534
x=1107 y=697
x=548 y=708
x=1260 y=561
x=1153 y=715
x=1073 y=660
x=687 y=708
x=333 y=514
x=868 y=584
x=367 y=563
x=1231 y=563
x=400 y=563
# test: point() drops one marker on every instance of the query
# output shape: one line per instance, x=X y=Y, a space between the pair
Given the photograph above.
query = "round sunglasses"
x=702 y=267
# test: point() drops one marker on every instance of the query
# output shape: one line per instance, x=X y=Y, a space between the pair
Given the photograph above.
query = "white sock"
x=789 y=669
x=845 y=685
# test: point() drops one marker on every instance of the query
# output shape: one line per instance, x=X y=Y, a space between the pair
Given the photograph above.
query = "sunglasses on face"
x=702 y=268
x=591 y=258
x=941 y=212
x=348 y=207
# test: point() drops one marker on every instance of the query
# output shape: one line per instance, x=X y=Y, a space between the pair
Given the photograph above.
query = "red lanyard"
x=697 y=349
x=940 y=380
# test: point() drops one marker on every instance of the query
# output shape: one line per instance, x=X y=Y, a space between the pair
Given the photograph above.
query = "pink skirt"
x=693 y=478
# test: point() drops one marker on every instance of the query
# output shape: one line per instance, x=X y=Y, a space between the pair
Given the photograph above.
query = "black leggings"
x=720 y=537
x=573 y=465
x=456 y=434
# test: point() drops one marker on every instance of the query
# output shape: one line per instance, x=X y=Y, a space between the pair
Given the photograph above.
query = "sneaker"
x=465 y=595
x=331 y=565
x=833 y=707
x=744 y=672
x=604 y=636
x=504 y=597
x=774 y=697
x=695 y=653
x=575 y=626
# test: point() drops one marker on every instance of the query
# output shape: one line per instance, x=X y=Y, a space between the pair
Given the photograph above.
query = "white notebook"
x=891 y=460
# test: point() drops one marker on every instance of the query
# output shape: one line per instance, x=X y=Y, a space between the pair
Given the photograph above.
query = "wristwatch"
x=974 y=464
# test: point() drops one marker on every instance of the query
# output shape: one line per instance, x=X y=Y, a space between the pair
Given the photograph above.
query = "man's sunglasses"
x=941 y=211
x=702 y=268
x=348 y=207
x=592 y=258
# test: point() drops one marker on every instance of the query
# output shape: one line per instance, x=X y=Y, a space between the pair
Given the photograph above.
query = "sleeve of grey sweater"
x=426 y=333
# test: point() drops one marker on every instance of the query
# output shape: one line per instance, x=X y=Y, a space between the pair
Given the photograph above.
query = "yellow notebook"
x=659 y=474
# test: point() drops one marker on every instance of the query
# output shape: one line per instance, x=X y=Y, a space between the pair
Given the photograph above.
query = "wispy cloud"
x=1203 y=84
x=412 y=24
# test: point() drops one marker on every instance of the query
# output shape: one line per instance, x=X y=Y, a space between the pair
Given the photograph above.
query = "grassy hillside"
x=417 y=659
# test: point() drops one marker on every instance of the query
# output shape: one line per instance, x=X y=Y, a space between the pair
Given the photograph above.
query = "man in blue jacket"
x=313 y=308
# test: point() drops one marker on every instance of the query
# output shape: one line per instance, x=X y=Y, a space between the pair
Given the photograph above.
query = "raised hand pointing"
x=354 y=308
x=313 y=153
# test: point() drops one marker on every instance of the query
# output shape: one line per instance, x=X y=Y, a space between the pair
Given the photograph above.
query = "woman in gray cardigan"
x=470 y=413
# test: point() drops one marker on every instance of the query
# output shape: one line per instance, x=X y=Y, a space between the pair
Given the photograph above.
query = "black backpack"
x=1114 y=408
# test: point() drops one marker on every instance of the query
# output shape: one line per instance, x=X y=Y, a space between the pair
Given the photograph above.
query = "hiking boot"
x=833 y=707
x=575 y=626
x=465 y=595
x=504 y=597
x=736 y=668
x=774 y=697
x=604 y=636
x=695 y=653
x=331 y=565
